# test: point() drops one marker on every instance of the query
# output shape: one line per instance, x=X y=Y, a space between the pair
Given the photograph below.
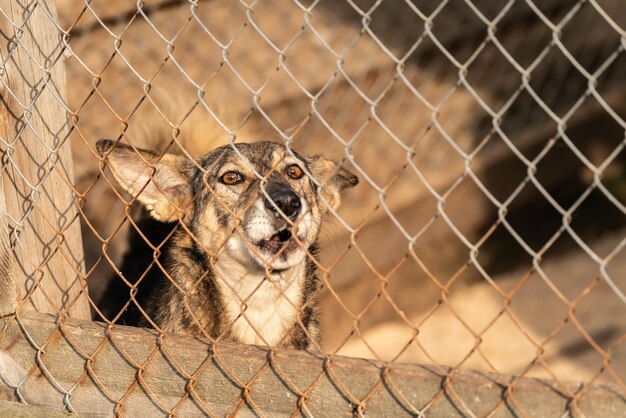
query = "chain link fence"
x=486 y=232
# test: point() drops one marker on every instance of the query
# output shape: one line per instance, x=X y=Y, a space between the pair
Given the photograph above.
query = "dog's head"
x=255 y=204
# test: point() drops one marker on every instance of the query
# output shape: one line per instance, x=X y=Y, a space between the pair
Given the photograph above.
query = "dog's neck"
x=223 y=298
x=260 y=308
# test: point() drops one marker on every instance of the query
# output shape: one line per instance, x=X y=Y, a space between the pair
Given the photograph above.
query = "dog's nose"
x=285 y=199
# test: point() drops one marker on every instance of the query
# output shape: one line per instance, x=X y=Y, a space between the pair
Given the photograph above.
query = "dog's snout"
x=285 y=199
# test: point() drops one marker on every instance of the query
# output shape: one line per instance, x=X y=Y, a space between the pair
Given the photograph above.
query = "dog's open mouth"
x=277 y=241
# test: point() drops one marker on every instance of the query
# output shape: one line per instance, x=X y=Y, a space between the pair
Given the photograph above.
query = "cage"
x=477 y=269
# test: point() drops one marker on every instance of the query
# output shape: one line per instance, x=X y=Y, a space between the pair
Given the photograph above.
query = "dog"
x=241 y=264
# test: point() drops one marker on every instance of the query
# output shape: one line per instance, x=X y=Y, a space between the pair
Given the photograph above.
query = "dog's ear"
x=332 y=177
x=161 y=183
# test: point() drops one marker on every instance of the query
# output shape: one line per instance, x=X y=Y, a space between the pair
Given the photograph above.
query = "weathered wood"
x=37 y=160
x=18 y=410
x=118 y=357
x=8 y=294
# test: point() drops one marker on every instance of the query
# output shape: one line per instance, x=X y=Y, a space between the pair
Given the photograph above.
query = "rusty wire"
x=423 y=104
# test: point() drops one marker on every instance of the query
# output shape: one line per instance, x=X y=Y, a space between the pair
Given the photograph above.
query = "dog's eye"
x=294 y=171
x=231 y=178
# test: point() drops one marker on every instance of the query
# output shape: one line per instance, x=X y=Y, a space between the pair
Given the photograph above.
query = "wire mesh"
x=487 y=231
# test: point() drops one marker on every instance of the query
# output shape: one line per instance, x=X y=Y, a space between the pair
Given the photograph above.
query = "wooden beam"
x=8 y=291
x=92 y=368
x=37 y=162
x=18 y=410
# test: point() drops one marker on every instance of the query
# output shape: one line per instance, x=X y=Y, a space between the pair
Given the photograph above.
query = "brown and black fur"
x=184 y=290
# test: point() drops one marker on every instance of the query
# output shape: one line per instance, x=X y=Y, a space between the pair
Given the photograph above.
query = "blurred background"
x=488 y=230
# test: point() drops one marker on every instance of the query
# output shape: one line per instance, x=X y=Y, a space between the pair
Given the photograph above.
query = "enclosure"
x=478 y=269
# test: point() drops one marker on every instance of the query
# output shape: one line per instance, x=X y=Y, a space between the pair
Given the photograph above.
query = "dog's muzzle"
x=284 y=205
x=278 y=224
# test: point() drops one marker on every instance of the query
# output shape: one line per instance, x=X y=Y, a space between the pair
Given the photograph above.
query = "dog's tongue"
x=275 y=242
x=272 y=243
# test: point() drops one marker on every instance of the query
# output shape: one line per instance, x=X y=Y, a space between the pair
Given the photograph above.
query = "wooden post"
x=37 y=161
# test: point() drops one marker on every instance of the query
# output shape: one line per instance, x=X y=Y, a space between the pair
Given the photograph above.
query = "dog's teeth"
x=276 y=241
x=274 y=237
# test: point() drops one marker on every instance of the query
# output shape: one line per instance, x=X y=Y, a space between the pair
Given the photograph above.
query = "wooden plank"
x=18 y=410
x=37 y=161
x=8 y=294
x=275 y=380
